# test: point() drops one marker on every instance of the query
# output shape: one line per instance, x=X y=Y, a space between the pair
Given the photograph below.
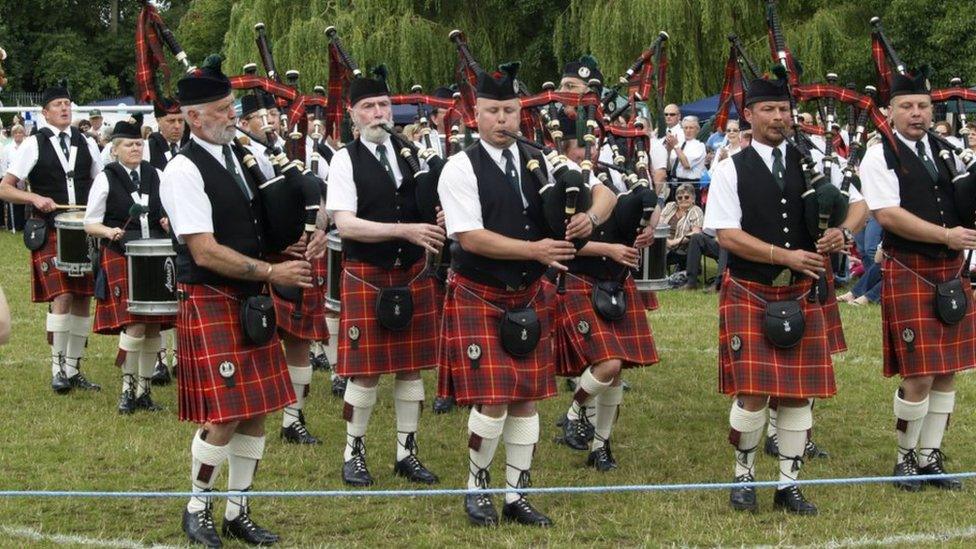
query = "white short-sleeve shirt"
x=98 y=195
x=26 y=158
x=342 y=188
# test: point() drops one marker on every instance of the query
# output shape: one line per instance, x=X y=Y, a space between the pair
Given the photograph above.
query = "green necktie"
x=381 y=151
x=926 y=161
x=779 y=170
x=232 y=168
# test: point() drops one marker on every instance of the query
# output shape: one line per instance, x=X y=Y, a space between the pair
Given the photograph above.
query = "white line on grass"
x=36 y=535
x=900 y=539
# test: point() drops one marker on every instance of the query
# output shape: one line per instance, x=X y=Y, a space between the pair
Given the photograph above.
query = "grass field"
x=672 y=429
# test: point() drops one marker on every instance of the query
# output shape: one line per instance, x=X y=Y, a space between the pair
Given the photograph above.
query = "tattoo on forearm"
x=250 y=268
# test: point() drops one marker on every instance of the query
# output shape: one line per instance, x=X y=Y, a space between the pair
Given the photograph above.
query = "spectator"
x=84 y=126
x=684 y=219
x=4 y=319
x=745 y=138
x=868 y=287
x=672 y=119
x=412 y=132
x=146 y=130
x=686 y=160
x=971 y=137
x=97 y=125
x=731 y=144
x=13 y=214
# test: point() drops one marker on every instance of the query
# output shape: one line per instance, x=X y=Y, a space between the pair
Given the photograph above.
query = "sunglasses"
x=684 y=196
x=670 y=114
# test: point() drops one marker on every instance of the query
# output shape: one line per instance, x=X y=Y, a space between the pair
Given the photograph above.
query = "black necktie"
x=511 y=173
x=779 y=170
x=172 y=149
x=381 y=151
x=926 y=161
x=134 y=175
x=64 y=145
x=232 y=168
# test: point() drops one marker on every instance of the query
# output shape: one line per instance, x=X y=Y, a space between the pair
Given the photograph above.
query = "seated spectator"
x=868 y=287
x=704 y=242
x=684 y=218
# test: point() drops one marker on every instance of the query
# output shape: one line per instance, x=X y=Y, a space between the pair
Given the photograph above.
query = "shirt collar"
x=766 y=152
x=496 y=154
x=912 y=144
x=216 y=150
x=372 y=146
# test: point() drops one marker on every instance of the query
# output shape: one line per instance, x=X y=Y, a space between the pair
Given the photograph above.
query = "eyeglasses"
x=683 y=197
x=670 y=114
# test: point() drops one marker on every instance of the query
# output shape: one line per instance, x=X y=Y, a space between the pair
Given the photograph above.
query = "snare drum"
x=654 y=262
x=74 y=246
x=152 y=277
x=334 y=244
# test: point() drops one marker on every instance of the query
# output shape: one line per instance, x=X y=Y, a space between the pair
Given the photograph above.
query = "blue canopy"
x=706 y=108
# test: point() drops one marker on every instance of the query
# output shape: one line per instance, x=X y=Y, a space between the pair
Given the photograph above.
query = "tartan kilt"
x=377 y=350
x=760 y=368
x=209 y=332
x=835 y=328
x=112 y=314
x=649 y=299
x=628 y=339
x=47 y=282
x=499 y=377
x=305 y=320
x=908 y=310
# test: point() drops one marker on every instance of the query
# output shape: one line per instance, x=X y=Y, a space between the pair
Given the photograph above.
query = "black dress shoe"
x=812 y=451
x=935 y=467
x=601 y=459
x=145 y=402
x=244 y=529
x=338 y=386
x=791 y=500
x=480 y=510
x=199 y=527
x=771 y=447
x=127 y=402
x=160 y=375
x=297 y=433
x=443 y=405
x=354 y=471
x=577 y=433
x=413 y=470
x=320 y=363
x=60 y=384
x=625 y=385
x=908 y=469
x=571 y=384
x=744 y=498
x=79 y=381
x=522 y=512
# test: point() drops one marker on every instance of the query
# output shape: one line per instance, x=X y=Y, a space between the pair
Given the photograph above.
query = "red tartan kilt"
x=649 y=299
x=628 y=339
x=835 y=328
x=758 y=367
x=499 y=378
x=47 y=282
x=112 y=314
x=443 y=373
x=908 y=311
x=309 y=323
x=209 y=331
x=378 y=350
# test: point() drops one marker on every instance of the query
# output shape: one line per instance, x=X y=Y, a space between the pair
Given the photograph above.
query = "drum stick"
x=69 y=207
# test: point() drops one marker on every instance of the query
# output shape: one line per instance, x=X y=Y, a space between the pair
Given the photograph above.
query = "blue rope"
x=463 y=491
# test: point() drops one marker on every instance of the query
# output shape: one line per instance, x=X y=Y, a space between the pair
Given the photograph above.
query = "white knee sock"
x=359 y=403
x=771 y=426
x=934 y=425
x=131 y=347
x=588 y=388
x=147 y=363
x=607 y=406
x=521 y=435
x=792 y=424
x=59 y=326
x=745 y=434
x=408 y=397
x=332 y=347
x=206 y=462
x=80 y=328
x=485 y=434
x=301 y=377
x=909 y=425
x=245 y=453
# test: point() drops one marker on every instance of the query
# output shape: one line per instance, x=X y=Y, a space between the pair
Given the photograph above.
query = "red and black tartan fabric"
x=112 y=314
x=149 y=54
x=750 y=365
x=916 y=342
x=305 y=321
x=222 y=377
x=881 y=68
x=835 y=328
x=47 y=282
x=470 y=328
x=366 y=348
x=584 y=338
x=649 y=299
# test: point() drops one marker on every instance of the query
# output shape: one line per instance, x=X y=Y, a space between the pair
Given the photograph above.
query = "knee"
x=522 y=409
x=367 y=382
x=408 y=376
x=915 y=389
x=136 y=330
x=608 y=370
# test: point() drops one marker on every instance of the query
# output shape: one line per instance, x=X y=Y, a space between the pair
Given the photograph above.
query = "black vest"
x=379 y=200
x=324 y=151
x=932 y=202
x=158 y=148
x=47 y=178
x=502 y=212
x=602 y=267
x=237 y=224
x=769 y=214
x=119 y=200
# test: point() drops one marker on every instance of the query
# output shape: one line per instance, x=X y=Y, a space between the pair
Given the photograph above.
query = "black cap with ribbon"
x=364 y=88
x=205 y=84
x=500 y=85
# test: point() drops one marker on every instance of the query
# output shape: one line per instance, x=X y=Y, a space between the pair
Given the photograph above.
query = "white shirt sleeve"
x=184 y=199
x=342 y=189
x=24 y=160
x=723 y=210
x=458 y=190
x=97 y=196
x=879 y=185
x=659 y=155
x=695 y=153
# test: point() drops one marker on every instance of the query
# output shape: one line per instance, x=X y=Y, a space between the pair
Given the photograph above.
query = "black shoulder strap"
x=46 y=132
x=122 y=176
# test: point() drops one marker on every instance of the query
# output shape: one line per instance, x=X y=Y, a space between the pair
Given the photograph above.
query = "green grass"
x=672 y=429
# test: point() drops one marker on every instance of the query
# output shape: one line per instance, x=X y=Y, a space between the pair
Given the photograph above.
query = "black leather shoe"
x=601 y=459
x=771 y=447
x=354 y=471
x=145 y=402
x=480 y=510
x=296 y=433
x=571 y=384
x=577 y=433
x=338 y=386
x=79 y=381
x=60 y=384
x=411 y=469
x=625 y=385
x=244 y=529
x=812 y=451
x=791 y=500
x=320 y=363
x=744 y=499
x=908 y=468
x=127 y=402
x=522 y=512
x=936 y=468
x=160 y=375
x=443 y=405
x=199 y=527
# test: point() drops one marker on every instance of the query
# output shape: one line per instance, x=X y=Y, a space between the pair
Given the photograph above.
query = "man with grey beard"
x=388 y=322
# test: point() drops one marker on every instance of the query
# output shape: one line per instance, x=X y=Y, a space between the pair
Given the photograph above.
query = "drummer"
x=123 y=205
x=46 y=158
